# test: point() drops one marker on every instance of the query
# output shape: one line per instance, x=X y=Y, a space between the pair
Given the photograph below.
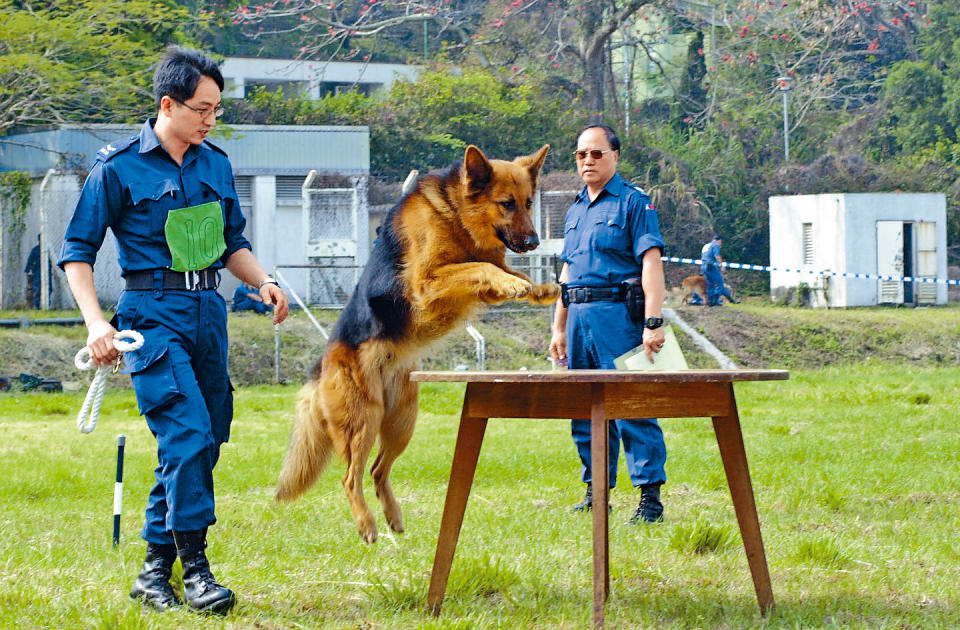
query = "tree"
x=837 y=54
x=81 y=60
x=508 y=37
x=427 y=123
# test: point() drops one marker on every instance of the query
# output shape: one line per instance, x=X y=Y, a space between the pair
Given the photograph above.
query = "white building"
x=270 y=165
x=880 y=234
x=317 y=78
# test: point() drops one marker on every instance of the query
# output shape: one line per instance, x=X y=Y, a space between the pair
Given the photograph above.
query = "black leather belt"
x=172 y=280
x=592 y=294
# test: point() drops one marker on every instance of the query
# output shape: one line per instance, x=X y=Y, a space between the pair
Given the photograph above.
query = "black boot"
x=153 y=584
x=650 y=509
x=200 y=588
x=587 y=504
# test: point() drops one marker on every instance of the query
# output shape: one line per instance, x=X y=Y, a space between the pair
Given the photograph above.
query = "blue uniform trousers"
x=183 y=390
x=711 y=272
x=597 y=333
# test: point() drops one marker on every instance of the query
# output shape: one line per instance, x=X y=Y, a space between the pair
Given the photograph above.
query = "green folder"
x=670 y=357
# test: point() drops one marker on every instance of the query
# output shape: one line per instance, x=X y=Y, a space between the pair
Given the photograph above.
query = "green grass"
x=854 y=471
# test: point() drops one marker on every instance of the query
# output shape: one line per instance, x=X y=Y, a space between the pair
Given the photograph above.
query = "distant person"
x=612 y=236
x=34 y=281
x=710 y=268
x=33 y=276
x=247 y=298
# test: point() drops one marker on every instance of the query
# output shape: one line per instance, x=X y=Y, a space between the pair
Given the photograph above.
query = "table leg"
x=599 y=456
x=465 y=455
x=730 y=441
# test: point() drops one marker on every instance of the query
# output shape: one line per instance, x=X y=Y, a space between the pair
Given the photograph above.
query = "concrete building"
x=270 y=165
x=881 y=234
x=315 y=78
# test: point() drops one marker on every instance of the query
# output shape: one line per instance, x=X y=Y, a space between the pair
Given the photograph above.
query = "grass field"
x=854 y=470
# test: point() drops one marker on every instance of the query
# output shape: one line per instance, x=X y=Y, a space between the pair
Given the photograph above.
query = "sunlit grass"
x=854 y=472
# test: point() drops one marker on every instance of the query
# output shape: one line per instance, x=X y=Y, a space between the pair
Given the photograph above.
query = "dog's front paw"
x=544 y=293
x=513 y=288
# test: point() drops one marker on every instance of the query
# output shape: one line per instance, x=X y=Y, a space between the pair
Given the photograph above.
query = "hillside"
x=754 y=334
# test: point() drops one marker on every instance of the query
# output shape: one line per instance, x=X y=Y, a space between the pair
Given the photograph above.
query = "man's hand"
x=100 y=341
x=271 y=294
x=558 y=347
x=653 y=341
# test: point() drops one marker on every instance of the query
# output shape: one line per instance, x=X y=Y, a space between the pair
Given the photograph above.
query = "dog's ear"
x=477 y=170
x=533 y=163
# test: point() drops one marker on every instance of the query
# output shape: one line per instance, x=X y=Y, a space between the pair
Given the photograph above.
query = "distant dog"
x=697 y=284
x=694 y=284
x=439 y=256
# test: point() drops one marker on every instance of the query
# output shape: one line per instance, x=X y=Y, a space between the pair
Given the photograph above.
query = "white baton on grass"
x=118 y=490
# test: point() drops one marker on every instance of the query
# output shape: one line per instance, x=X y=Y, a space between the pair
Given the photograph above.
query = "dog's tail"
x=310 y=446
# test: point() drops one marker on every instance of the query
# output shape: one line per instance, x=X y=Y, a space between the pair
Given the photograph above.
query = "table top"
x=600 y=376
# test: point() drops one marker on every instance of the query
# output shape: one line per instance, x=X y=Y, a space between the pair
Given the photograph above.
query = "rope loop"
x=91 y=404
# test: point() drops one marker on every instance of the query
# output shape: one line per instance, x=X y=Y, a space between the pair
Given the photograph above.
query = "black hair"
x=717 y=237
x=180 y=71
x=611 y=134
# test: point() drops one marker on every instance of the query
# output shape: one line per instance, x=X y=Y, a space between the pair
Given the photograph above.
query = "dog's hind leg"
x=353 y=406
x=399 y=418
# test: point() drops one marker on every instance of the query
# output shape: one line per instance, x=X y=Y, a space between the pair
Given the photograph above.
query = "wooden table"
x=599 y=396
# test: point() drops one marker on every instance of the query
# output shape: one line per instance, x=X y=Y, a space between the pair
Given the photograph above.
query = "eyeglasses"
x=204 y=113
x=596 y=154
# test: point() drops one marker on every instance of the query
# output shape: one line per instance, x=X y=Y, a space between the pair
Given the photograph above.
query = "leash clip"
x=116 y=366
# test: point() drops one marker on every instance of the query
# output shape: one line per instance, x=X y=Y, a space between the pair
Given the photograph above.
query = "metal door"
x=890 y=261
x=926 y=267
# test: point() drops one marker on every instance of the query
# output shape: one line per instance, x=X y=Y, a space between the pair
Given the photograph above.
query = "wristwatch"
x=653 y=323
x=267 y=280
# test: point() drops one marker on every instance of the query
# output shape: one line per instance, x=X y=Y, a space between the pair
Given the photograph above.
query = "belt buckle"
x=192 y=280
x=580 y=294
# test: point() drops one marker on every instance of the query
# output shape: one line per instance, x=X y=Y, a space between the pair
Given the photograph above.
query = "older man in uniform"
x=612 y=235
x=168 y=196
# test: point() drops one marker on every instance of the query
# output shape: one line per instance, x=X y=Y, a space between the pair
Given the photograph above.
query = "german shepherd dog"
x=697 y=284
x=439 y=257
x=694 y=284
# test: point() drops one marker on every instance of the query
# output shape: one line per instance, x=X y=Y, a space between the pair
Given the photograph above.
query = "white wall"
x=862 y=212
x=845 y=240
x=238 y=70
x=787 y=216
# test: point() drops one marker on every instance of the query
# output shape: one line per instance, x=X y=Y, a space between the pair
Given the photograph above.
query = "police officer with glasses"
x=613 y=291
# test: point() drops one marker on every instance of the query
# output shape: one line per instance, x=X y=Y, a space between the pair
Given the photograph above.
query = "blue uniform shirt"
x=133 y=185
x=604 y=240
x=710 y=251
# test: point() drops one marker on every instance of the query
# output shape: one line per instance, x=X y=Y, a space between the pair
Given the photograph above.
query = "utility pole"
x=785 y=84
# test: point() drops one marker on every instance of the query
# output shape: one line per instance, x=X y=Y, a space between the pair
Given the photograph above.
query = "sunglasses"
x=596 y=154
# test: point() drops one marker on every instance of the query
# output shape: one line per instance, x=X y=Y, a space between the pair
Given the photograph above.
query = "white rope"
x=84 y=361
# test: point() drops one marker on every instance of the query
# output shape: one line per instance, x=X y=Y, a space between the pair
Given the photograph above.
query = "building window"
x=808 y=243
x=244 y=184
x=288 y=88
x=332 y=88
x=289 y=188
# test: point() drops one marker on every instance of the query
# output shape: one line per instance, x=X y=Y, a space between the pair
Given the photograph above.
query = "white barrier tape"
x=816 y=272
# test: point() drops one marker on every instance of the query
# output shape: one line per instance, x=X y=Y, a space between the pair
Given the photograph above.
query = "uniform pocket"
x=154 y=381
x=216 y=189
x=128 y=308
x=571 y=244
x=609 y=233
x=153 y=200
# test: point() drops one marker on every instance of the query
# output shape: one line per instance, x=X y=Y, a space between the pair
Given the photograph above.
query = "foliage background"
x=874 y=104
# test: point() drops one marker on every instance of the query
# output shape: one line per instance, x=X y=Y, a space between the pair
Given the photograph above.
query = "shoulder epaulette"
x=633 y=186
x=215 y=147
x=107 y=152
